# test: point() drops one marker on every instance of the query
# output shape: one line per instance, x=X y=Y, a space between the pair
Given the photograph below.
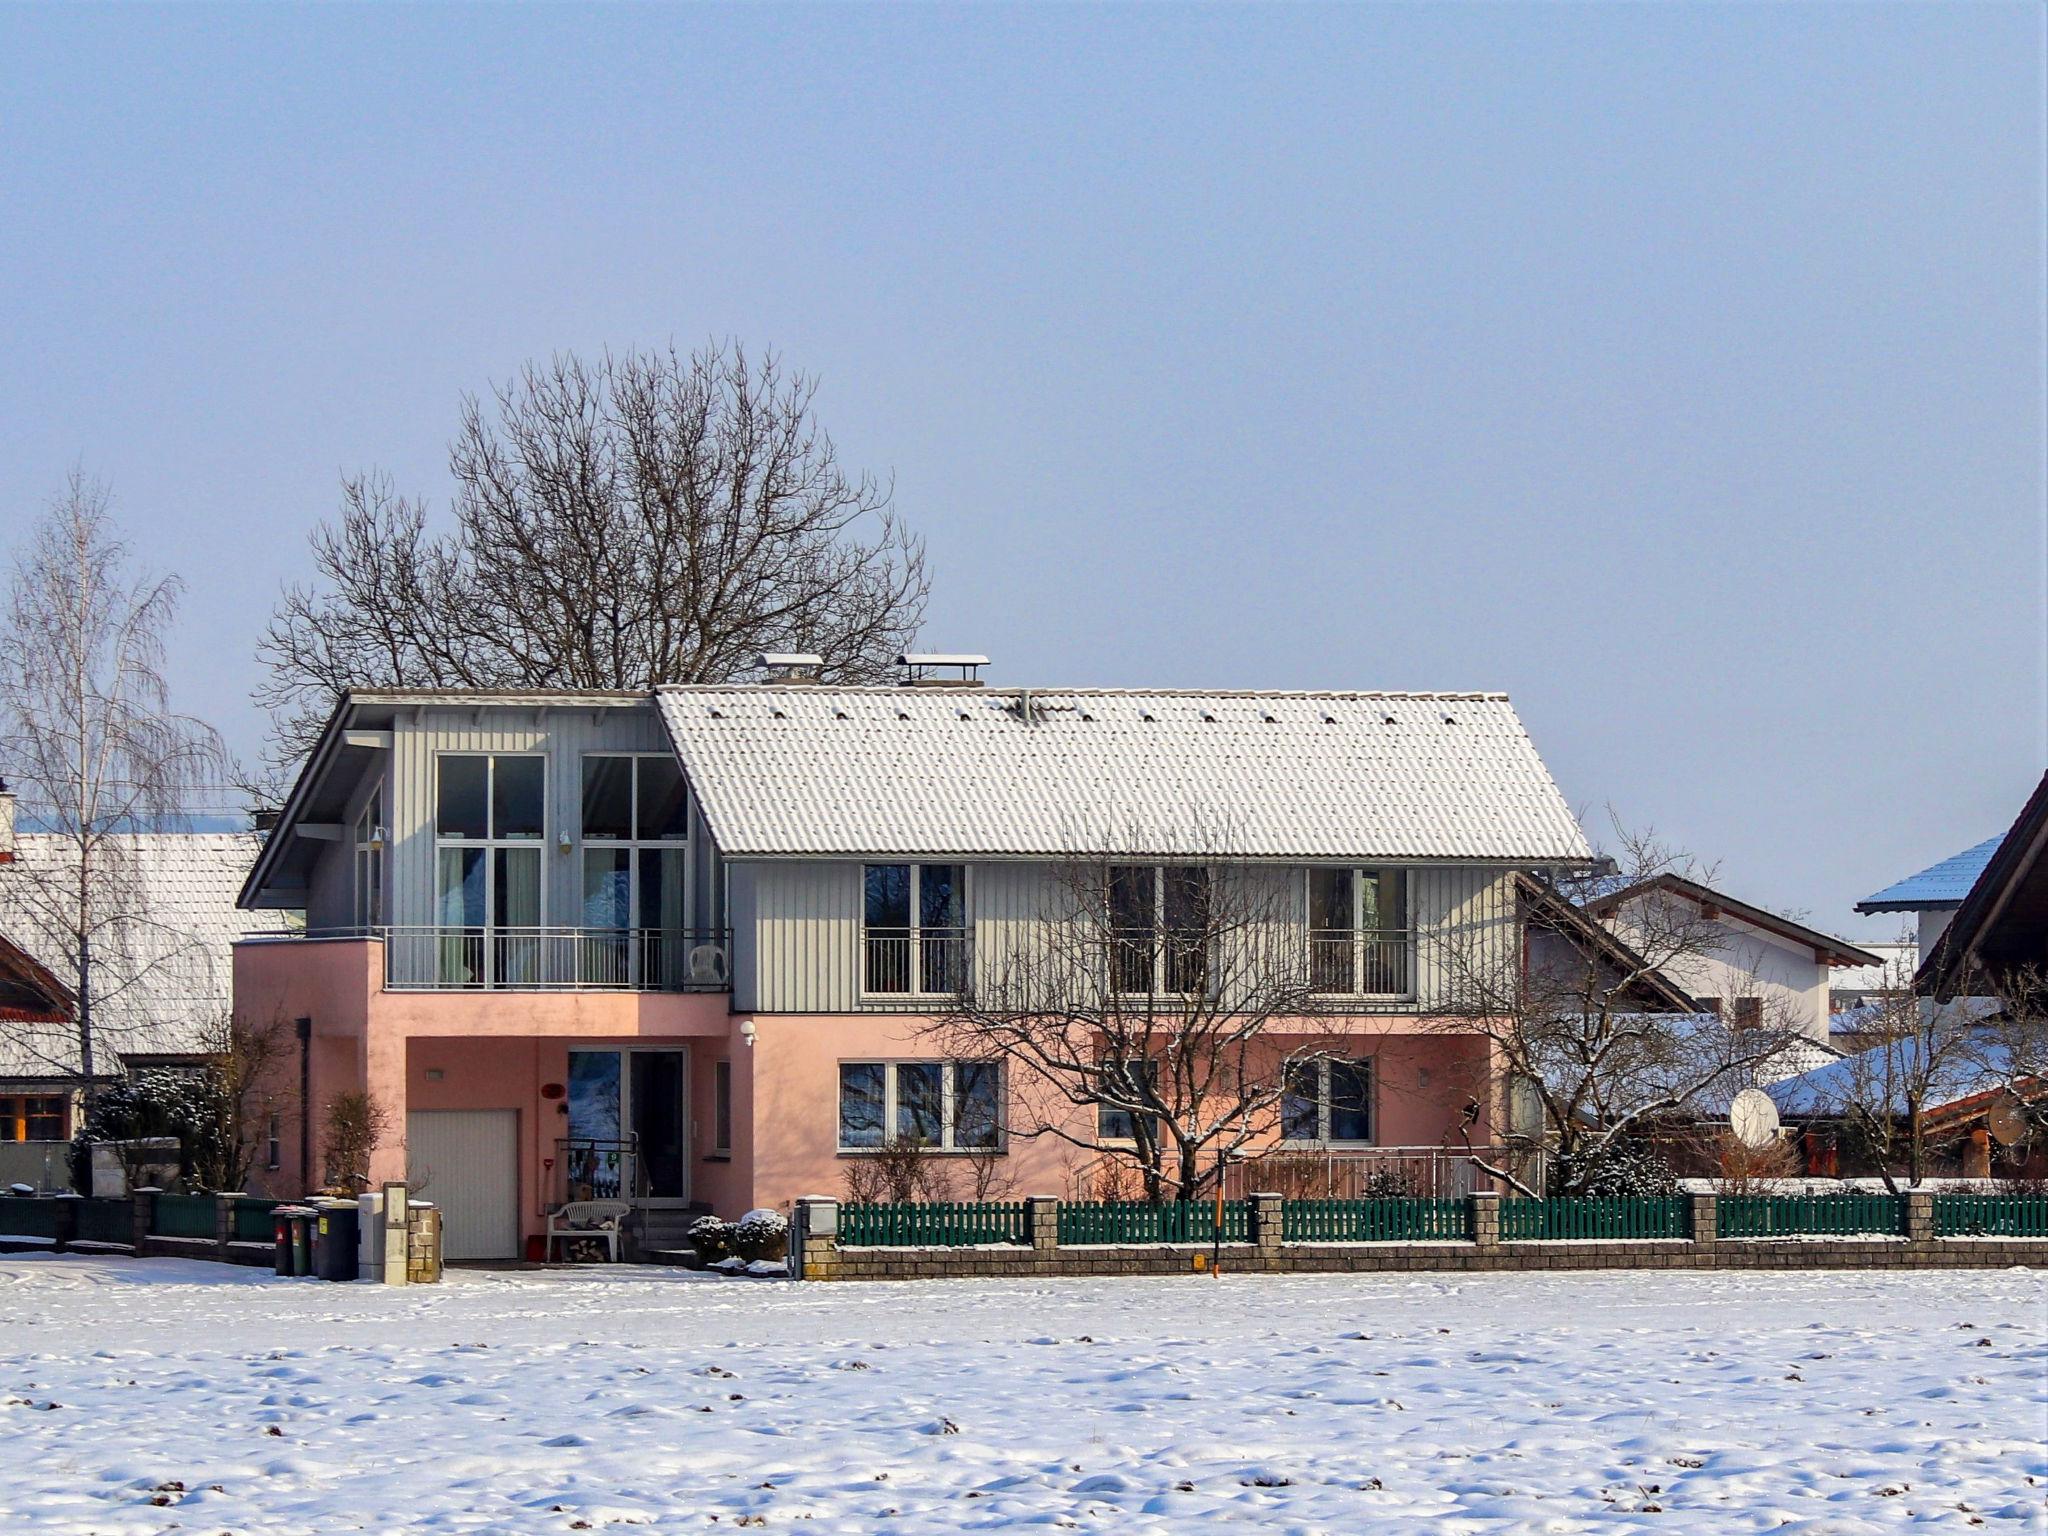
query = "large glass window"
x=949 y=1106
x=914 y=921
x=369 y=861
x=1359 y=938
x=635 y=870
x=488 y=819
x=1328 y=1101
x=1159 y=928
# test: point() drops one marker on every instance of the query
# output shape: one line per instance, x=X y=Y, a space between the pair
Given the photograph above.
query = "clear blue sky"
x=1678 y=369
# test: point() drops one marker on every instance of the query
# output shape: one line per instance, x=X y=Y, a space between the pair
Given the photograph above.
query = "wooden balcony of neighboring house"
x=530 y=959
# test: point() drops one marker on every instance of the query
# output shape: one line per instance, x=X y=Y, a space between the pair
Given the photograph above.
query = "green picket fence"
x=936 y=1224
x=1565 y=1218
x=1134 y=1221
x=183 y=1216
x=1845 y=1215
x=107 y=1219
x=1991 y=1215
x=252 y=1222
x=1376 y=1221
x=27 y=1218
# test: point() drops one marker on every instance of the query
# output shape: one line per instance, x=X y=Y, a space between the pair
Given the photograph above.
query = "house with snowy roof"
x=162 y=984
x=1929 y=898
x=683 y=947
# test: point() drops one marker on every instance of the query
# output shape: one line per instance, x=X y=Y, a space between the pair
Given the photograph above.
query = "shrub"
x=712 y=1238
x=1612 y=1170
x=761 y=1234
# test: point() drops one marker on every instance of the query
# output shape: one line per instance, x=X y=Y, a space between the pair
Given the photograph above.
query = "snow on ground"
x=162 y=1395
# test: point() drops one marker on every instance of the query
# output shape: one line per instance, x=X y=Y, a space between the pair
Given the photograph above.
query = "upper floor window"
x=914 y=928
x=496 y=798
x=631 y=797
x=1359 y=937
x=1327 y=1101
x=33 y=1117
x=1159 y=928
x=369 y=860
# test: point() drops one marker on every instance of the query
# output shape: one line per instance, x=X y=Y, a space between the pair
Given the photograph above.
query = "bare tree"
x=356 y=1123
x=1590 y=1022
x=95 y=754
x=635 y=520
x=1158 y=1014
x=250 y=1089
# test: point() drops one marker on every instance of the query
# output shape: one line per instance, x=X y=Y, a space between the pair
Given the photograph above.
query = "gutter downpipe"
x=304 y=1029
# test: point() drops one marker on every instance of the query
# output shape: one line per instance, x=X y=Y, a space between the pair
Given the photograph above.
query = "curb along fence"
x=1269 y=1234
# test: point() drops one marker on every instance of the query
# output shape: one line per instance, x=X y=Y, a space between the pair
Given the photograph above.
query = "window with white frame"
x=1359 y=939
x=721 y=1107
x=950 y=1106
x=1124 y=1081
x=489 y=816
x=1159 y=927
x=1327 y=1101
x=913 y=929
x=369 y=861
x=635 y=827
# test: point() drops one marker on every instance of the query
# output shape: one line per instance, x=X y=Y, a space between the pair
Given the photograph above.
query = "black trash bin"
x=334 y=1241
x=281 y=1235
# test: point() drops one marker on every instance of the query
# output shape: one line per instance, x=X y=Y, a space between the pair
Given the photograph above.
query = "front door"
x=629 y=1122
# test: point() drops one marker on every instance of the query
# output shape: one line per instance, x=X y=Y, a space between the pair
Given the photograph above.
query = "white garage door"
x=469 y=1161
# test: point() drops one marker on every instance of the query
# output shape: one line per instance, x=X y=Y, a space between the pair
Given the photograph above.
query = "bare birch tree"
x=1589 y=1023
x=95 y=753
x=619 y=523
x=1157 y=1013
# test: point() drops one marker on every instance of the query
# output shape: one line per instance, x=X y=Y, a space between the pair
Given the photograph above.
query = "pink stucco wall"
x=497 y=1050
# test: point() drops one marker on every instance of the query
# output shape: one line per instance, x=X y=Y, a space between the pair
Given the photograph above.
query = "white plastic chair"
x=592 y=1219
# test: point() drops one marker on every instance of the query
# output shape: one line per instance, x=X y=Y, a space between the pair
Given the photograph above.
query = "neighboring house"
x=1763 y=968
x=35 y=1102
x=1998 y=931
x=680 y=946
x=1930 y=898
x=164 y=987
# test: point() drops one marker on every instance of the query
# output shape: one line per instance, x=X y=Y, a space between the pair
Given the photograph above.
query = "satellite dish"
x=1753 y=1118
x=2007 y=1123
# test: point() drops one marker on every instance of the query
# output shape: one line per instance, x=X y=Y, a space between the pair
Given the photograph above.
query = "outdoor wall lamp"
x=748 y=1031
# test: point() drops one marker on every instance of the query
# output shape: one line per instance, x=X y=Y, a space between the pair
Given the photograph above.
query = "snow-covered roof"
x=168 y=970
x=1938 y=887
x=1885 y=1070
x=971 y=772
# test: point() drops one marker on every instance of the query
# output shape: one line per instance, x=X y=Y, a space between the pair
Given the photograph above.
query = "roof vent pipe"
x=789 y=668
x=932 y=669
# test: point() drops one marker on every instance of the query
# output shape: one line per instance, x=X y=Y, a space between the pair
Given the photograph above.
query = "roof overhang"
x=1827 y=949
x=2002 y=925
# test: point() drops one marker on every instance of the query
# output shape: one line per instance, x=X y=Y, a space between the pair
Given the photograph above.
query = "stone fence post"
x=142 y=1216
x=818 y=1218
x=1706 y=1220
x=1268 y=1229
x=224 y=1217
x=1042 y=1225
x=1919 y=1215
x=1485 y=1204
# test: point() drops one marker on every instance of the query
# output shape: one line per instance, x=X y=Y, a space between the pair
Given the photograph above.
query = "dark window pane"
x=888 y=896
x=1130 y=1081
x=1386 y=899
x=1130 y=897
x=517 y=796
x=661 y=798
x=1351 y=1101
x=860 y=1104
x=941 y=895
x=462 y=803
x=919 y=1102
x=1301 y=1105
x=1187 y=899
x=607 y=797
x=1329 y=900
x=661 y=888
x=976 y=1103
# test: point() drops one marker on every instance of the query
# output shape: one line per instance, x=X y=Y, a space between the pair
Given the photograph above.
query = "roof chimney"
x=6 y=823
x=791 y=667
x=930 y=669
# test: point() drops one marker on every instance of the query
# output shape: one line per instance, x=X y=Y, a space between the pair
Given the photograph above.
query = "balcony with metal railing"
x=435 y=959
x=916 y=962
x=1368 y=962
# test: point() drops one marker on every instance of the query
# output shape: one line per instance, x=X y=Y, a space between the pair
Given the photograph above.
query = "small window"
x=721 y=1106
x=607 y=797
x=1133 y=1082
x=273 y=1150
x=518 y=797
x=1749 y=1013
x=949 y=1106
x=661 y=812
x=1709 y=1005
x=1327 y=1101
x=32 y=1117
x=480 y=798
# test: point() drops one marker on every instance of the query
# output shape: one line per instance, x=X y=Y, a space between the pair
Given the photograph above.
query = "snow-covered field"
x=170 y=1396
